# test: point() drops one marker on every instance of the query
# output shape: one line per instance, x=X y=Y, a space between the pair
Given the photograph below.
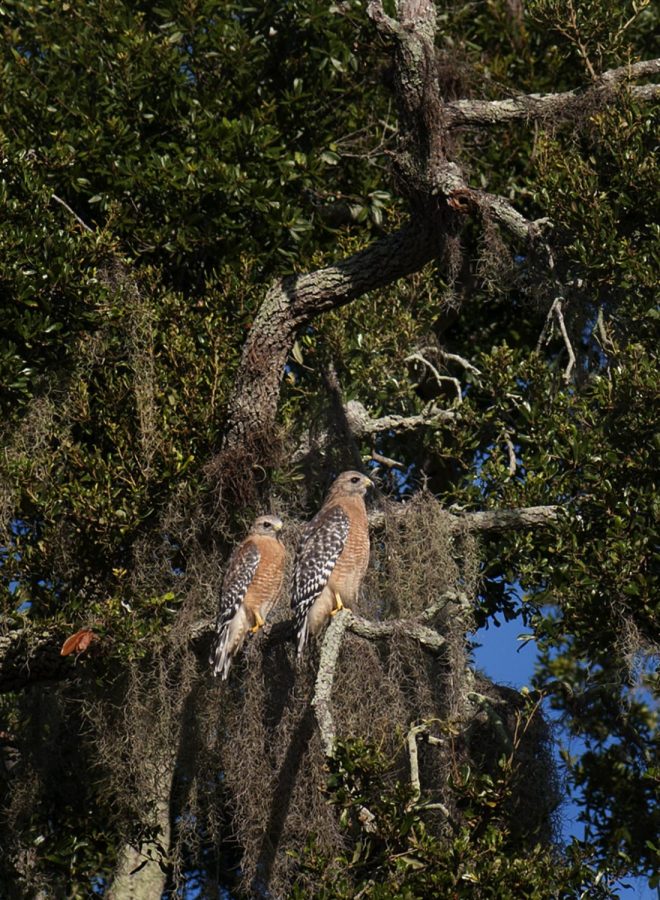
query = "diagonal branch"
x=289 y=305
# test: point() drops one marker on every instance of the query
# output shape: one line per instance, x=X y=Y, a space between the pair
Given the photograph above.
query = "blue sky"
x=509 y=661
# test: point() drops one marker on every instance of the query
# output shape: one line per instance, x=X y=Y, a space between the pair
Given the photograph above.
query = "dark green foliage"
x=400 y=856
x=158 y=166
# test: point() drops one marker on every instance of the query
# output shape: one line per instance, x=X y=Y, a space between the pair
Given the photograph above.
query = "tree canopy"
x=242 y=248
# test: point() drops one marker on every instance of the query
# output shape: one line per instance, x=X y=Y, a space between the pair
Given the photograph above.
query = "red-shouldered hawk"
x=332 y=556
x=250 y=589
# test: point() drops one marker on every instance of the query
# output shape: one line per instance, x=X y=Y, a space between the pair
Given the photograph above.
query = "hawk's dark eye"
x=355 y=479
x=266 y=524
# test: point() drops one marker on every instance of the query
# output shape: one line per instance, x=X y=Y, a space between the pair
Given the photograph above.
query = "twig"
x=567 y=341
x=605 y=340
x=454 y=357
x=460 y=599
x=418 y=357
x=386 y=461
x=512 y=455
x=413 y=754
x=556 y=312
x=72 y=212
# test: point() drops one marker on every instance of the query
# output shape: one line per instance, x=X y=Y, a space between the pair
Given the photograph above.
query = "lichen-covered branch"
x=322 y=700
x=330 y=647
x=480 y=113
x=414 y=733
x=371 y=630
x=361 y=422
x=492 y=520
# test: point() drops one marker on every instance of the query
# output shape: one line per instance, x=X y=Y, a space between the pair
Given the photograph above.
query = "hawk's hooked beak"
x=368 y=482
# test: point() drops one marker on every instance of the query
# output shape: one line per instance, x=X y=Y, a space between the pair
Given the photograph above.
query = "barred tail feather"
x=228 y=642
x=220 y=659
x=302 y=629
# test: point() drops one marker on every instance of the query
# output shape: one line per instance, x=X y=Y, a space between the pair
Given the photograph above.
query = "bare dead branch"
x=386 y=461
x=512 y=455
x=72 y=212
x=567 y=341
x=455 y=358
x=419 y=357
x=556 y=312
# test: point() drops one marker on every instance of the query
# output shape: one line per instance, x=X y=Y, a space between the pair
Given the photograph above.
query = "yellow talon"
x=259 y=624
x=339 y=605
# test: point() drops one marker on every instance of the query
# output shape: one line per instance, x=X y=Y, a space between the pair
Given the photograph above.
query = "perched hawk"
x=332 y=556
x=250 y=589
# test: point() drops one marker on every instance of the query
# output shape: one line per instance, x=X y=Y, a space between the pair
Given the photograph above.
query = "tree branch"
x=361 y=422
x=293 y=302
x=365 y=628
x=494 y=521
x=478 y=113
x=413 y=755
x=29 y=656
x=371 y=630
x=322 y=700
x=72 y=212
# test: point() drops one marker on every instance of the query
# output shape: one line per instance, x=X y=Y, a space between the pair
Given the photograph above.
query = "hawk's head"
x=351 y=482
x=267 y=525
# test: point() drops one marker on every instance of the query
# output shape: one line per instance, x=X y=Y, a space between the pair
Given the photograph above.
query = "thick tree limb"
x=500 y=520
x=293 y=302
x=478 y=113
x=493 y=521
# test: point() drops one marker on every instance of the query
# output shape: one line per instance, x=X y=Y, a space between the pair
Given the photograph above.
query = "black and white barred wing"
x=321 y=544
x=241 y=570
